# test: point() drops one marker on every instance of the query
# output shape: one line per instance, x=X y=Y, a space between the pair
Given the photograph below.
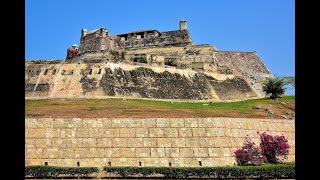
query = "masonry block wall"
x=149 y=142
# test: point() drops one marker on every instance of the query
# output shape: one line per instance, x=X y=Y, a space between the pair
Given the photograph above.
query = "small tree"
x=275 y=149
x=249 y=154
x=274 y=86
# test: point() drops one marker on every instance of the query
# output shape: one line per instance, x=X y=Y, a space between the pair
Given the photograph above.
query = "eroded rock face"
x=122 y=80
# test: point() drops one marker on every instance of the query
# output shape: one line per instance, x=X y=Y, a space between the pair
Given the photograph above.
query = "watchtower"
x=183 y=24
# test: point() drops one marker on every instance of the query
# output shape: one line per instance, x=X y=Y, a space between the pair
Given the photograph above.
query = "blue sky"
x=265 y=26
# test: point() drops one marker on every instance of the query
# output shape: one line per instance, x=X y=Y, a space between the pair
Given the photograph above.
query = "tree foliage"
x=274 y=86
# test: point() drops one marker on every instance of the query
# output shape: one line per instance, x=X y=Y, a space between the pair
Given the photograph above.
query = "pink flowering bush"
x=249 y=154
x=274 y=148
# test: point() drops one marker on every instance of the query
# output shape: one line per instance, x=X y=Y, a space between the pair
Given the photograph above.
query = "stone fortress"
x=147 y=64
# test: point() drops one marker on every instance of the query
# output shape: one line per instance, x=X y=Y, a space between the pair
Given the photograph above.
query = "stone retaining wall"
x=153 y=142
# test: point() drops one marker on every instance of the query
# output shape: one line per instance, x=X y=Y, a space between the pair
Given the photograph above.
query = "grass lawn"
x=117 y=107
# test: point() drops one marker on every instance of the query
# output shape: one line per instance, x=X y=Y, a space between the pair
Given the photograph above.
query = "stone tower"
x=83 y=32
x=183 y=24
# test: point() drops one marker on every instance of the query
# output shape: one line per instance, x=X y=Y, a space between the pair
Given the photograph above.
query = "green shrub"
x=264 y=171
x=54 y=171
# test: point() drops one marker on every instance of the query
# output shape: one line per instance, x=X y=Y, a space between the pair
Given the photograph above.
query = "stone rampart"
x=153 y=142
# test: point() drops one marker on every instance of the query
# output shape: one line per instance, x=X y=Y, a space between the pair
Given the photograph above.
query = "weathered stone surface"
x=153 y=142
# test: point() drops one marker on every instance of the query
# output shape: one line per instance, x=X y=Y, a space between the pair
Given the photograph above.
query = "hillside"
x=122 y=108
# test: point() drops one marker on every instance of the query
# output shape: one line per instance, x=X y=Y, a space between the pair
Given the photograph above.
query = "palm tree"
x=273 y=86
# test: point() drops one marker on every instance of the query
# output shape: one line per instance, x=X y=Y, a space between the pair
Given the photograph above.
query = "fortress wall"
x=247 y=63
x=153 y=142
x=123 y=80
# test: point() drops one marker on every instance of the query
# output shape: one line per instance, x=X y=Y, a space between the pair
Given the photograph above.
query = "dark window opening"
x=45 y=72
x=200 y=163
x=29 y=71
x=71 y=72
x=46 y=163
x=90 y=72
x=109 y=163
x=170 y=164
x=38 y=72
x=99 y=72
x=54 y=72
x=124 y=73
x=140 y=164
x=63 y=71
x=78 y=164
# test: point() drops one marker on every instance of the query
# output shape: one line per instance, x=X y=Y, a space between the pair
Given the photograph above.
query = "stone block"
x=68 y=133
x=215 y=132
x=149 y=142
x=60 y=143
x=135 y=142
x=119 y=142
x=191 y=122
x=222 y=142
x=205 y=122
x=134 y=123
x=196 y=132
x=172 y=152
x=127 y=132
x=157 y=152
x=52 y=133
x=163 y=142
x=116 y=123
x=186 y=152
x=34 y=153
x=65 y=153
x=150 y=122
x=104 y=123
x=38 y=123
x=142 y=132
x=185 y=132
x=176 y=122
x=97 y=152
x=29 y=143
x=89 y=142
x=42 y=143
x=82 y=153
x=143 y=152
x=207 y=142
x=36 y=133
x=89 y=123
x=219 y=122
x=111 y=133
x=178 y=142
x=219 y=152
x=193 y=142
x=74 y=142
x=82 y=133
x=51 y=153
x=162 y=122
x=60 y=123
x=104 y=142
x=170 y=132
x=74 y=123
x=200 y=152
x=112 y=152
x=156 y=132
x=127 y=152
